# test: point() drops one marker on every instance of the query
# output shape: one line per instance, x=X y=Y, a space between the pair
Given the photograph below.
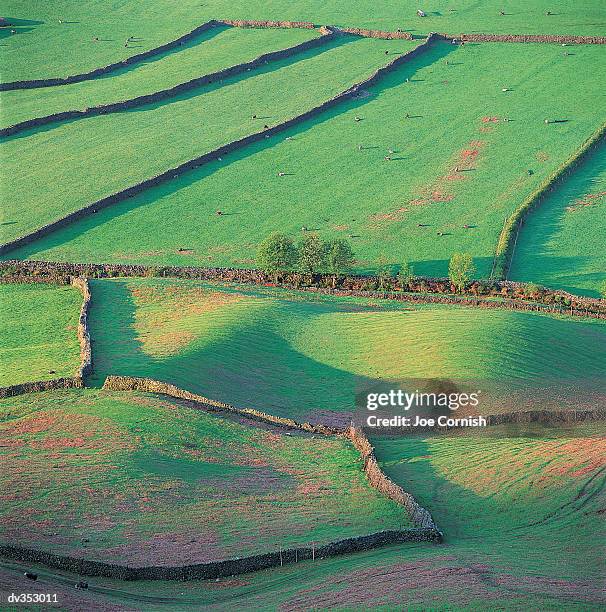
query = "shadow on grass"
x=246 y=363
x=547 y=221
x=69 y=233
x=267 y=68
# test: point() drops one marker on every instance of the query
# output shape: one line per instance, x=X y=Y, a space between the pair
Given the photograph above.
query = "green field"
x=562 y=242
x=433 y=159
x=44 y=47
x=38 y=331
x=139 y=481
x=475 y=173
x=214 y=50
x=292 y=355
x=521 y=518
x=149 y=140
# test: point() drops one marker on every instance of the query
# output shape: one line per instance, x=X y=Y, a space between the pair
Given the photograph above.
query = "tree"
x=406 y=275
x=603 y=289
x=460 y=270
x=339 y=257
x=276 y=253
x=311 y=254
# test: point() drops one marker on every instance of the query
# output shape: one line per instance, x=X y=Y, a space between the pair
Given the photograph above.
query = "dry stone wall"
x=129 y=61
x=170 y=92
x=507 y=295
x=213 y=155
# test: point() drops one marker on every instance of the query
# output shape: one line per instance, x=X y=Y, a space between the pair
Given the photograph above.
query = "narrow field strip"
x=439 y=193
x=561 y=242
x=177 y=131
x=132 y=59
x=192 y=66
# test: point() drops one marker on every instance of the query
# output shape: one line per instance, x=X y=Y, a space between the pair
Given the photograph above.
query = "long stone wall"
x=132 y=383
x=255 y=23
x=507 y=239
x=235 y=145
x=528 y=38
x=133 y=59
x=479 y=294
x=86 y=361
x=207 y=79
x=219 y=569
x=73 y=382
x=377 y=33
x=377 y=478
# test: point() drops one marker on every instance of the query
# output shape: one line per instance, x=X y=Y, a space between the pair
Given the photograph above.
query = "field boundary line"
x=499 y=294
x=170 y=92
x=562 y=39
x=220 y=569
x=225 y=149
x=133 y=59
x=504 y=250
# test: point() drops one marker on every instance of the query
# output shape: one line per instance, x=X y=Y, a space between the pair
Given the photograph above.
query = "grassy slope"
x=293 y=355
x=339 y=190
x=122 y=149
x=562 y=241
x=149 y=482
x=38 y=332
x=485 y=494
x=39 y=50
x=212 y=51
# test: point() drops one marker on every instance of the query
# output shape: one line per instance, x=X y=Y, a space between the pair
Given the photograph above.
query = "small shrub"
x=460 y=270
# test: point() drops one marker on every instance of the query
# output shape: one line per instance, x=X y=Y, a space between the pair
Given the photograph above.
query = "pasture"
x=213 y=50
x=38 y=331
x=295 y=355
x=45 y=47
x=442 y=191
x=562 y=242
x=521 y=517
x=176 y=130
x=136 y=480
x=432 y=159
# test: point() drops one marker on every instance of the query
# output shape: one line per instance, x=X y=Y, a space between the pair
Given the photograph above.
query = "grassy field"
x=122 y=149
x=473 y=174
x=562 y=242
x=214 y=50
x=293 y=355
x=521 y=518
x=43 y=47
x=38 y=331
x=136 y=480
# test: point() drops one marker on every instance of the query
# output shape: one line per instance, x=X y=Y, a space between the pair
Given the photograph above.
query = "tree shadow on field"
x=149 y=196
x=248 y=364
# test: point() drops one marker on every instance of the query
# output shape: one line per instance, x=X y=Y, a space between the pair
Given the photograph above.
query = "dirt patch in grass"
x=590 y=199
